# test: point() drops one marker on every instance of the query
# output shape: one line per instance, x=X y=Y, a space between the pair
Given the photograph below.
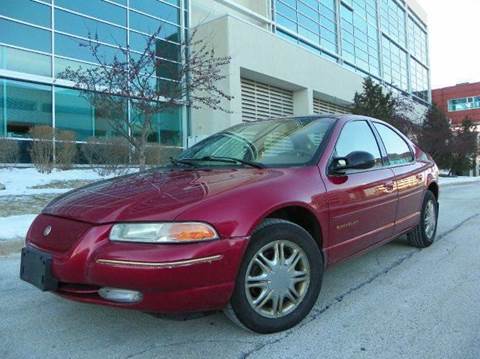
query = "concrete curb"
x=459 y=183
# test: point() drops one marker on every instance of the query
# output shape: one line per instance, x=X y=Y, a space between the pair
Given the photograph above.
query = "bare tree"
x=135 y=76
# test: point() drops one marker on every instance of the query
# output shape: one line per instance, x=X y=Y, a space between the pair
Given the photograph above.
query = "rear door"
x=409 y=177
x=362 y=203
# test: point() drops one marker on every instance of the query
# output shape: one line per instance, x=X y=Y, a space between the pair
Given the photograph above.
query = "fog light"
x=120 y=295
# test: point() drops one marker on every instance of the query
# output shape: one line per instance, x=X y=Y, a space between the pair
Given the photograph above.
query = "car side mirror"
x=357 y=160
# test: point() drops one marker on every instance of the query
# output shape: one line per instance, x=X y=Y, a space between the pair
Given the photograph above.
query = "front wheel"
x=279 y=279
x=424 y=234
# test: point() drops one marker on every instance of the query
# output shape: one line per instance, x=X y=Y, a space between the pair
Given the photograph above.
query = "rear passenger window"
x=358 y=136
x=397 y=149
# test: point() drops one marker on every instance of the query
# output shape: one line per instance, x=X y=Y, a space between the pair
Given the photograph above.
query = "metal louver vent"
x=261 y=101
x=321 y=106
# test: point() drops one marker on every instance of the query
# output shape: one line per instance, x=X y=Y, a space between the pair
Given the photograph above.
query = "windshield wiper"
x=220 y=159
x=187 y=162
x=234 y=160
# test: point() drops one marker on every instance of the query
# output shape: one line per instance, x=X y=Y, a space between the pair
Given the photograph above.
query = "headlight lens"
x=162 y=232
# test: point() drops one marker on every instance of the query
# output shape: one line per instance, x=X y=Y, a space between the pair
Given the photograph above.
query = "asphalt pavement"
x=394 y=302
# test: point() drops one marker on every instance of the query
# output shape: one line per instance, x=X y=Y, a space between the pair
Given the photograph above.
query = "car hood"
x=149 y=196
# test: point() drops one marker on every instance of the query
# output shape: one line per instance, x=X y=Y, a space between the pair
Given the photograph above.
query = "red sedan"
x=246 y=221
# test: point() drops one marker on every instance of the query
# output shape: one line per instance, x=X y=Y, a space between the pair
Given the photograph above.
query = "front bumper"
x=172 y=278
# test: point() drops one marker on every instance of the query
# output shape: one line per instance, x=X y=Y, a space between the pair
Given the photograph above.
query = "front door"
x=362 y=203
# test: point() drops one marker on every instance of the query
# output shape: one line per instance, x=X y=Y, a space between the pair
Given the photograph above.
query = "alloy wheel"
x=277 y=279
x=430 y=219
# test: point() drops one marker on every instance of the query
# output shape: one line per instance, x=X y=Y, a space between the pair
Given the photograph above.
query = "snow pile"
x=15 y=227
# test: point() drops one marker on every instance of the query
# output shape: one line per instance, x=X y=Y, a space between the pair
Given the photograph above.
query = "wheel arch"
x=301 y=216
x=433 y=187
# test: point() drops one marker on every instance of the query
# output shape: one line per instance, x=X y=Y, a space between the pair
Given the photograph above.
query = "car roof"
x=342 y=117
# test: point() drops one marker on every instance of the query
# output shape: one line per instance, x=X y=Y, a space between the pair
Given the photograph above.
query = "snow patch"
x=458 y=180
x=18 y=181
x=15 y=227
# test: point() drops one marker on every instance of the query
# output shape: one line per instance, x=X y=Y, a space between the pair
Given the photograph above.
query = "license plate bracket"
x=36 y=269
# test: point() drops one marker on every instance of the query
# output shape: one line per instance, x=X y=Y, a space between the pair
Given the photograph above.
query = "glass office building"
x=379 y=38
x=41 y=38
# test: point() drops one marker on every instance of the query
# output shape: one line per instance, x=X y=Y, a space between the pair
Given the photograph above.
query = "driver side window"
x=358 y=136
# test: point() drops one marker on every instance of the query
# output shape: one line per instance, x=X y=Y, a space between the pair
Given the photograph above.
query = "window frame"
x=384 y=158
x=384 y=148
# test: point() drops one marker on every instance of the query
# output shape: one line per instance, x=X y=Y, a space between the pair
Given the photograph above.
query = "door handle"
x=389 y=187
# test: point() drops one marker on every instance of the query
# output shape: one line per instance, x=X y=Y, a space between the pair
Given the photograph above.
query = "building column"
x=303 y=102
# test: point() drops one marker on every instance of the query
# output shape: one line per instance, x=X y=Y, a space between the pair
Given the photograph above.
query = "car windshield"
x=270 y=143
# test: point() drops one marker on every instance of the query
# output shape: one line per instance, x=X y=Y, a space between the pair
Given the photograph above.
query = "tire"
x=423 y=235
x=300 y=268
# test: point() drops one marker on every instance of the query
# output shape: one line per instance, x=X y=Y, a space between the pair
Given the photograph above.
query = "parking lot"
x=395 y=302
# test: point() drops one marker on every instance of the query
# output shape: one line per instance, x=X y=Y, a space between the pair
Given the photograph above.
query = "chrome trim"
x=175 y=264
x=404 y=219
x=389 y=225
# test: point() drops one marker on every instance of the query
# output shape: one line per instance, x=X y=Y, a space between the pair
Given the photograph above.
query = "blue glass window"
x=30 y=37
x=73 y=113
x=27 y=10
x=394 y=64
x=149 y=25
x=26 y=105
x=419 y=80
x=71 y=47
x=392 y=19
x=417 y=40
x=163 y=49
x=98 y=9
x=312 y=20
x=167 y=127
x=3 y=107
x=158 y=9
x=464 y=104
x=25 y=61
x=85 y=27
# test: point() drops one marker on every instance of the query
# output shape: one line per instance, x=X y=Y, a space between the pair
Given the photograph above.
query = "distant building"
x=459 y=101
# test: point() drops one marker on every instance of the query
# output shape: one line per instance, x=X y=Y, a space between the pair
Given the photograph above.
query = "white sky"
x=454 y=49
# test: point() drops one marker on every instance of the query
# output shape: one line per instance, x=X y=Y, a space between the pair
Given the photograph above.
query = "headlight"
x=162 y=232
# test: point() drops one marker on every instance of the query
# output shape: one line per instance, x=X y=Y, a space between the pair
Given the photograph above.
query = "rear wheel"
x=424 y=234
x=279 y=279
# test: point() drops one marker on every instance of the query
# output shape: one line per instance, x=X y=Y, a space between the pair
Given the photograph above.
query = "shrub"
x=158 y=155
x=41 y=151
x=9 y=151
x=65 y=149
x=107 y=155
